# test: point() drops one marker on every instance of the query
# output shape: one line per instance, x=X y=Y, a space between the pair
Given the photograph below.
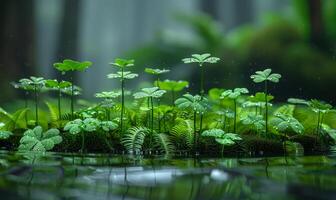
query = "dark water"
x=67 y=176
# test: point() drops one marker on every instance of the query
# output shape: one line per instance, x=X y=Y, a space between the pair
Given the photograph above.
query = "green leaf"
x=5 y=134
x=195 y=103
x=108 y=95
x=261 y=76
x=72 y=65
x=153 y=92
x=36 y=140
x=122 y=63
x=234 y=94
x=134 y=139
x=171 y=85
x=156 y=71
x=218 y=133
x=284 y=123
x=200 y=59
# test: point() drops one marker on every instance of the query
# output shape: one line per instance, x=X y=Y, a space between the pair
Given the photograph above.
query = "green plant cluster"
x=161 y=119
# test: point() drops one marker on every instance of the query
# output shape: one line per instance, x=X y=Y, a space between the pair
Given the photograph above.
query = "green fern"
x=134 y=138
x=15 y=120
x=182 y=132
x=164 y=143
x=53 y=111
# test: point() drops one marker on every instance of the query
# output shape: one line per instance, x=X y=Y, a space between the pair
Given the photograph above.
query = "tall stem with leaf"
x=234 y=95
x=265 y=76
x=71 y=66
x=122 y=75
x=200 y=59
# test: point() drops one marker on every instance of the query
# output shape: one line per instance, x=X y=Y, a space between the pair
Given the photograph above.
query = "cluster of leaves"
x=151 y=124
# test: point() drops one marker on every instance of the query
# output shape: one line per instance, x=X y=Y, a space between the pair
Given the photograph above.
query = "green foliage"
x=108 y=95
x=72 y=65
x=195 y=103
x=171 y=85
x=286 y=123
x=54 y=84
x=134 y=139
x=37 y=140
x=122 y=63
x=265 y=75
x=153 y=92
x=34 y=82
x=257 y=121
x=89 y=125
x=221 y=137
x=13 y=121
x=123 y=75
x=156 y=71
x=5 y=134
x=200 y=59
x=234 y=94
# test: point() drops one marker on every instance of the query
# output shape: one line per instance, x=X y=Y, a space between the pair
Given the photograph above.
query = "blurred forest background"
x=296 y=38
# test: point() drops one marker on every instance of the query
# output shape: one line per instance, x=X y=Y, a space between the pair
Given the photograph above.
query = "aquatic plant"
x=265 y=76
x=256 y=122
x=150 y=94
x=71 y=66
x=37 y=140
x=225 y=139
x=79 y=126
x=108 y=101
x=197 y=105
x=173 y=86
x=122 y=75
x=200 y=59
x=37 y=83
x=134 y=140
x=234 y=95
x=58 y=86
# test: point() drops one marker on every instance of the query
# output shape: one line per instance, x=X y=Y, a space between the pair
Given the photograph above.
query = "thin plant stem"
x=59 y=103
x=26 y=106
x=72 y=96
x=36 y=106
x=195 y=135
x=266 y=109
x=235 y=115
x=122 y=100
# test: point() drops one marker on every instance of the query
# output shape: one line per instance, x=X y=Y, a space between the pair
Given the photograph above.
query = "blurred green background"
x=296 y=38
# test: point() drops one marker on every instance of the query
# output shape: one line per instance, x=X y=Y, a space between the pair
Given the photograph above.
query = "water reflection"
x=72 y=176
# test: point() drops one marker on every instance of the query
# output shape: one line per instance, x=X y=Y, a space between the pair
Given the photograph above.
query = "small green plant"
x=234 y=95
x=256 y=122
x=58 y=86
x=71 y=66
x=157 y=73
x=150 y=94
x=26 y=87
x=197 y=105
x=108 y=101
x=200 y=59
x=79 y=126
x=122 y=75
x=265 y=76
x=37 y=83
x=173 y=86
x=225 y=139
x=37 y=140
x=285 y=124
x=134 y=141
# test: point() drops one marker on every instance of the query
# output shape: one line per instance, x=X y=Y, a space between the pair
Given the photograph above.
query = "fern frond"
x=164 y=143
x=15 y=120
x=134 y=138
x=182 y=132
x=53 y=111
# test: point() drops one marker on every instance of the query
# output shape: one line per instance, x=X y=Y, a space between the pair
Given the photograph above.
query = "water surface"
x=93 y=176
